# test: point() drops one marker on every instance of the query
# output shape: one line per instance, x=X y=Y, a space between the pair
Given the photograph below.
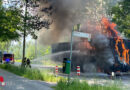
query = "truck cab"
x=8 y=58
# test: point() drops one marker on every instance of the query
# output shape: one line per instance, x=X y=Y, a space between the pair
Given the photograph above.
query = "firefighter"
x=28 y=63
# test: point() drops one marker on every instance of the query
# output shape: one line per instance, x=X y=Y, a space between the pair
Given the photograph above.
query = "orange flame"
x=112 y=32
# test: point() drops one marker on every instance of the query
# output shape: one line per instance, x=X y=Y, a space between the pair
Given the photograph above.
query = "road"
x=14 y=82
x=38 y=66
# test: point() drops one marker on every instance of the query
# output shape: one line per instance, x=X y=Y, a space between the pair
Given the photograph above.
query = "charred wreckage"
x=107 y=52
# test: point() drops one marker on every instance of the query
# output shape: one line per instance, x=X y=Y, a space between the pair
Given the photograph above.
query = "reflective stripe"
x=56 y=69
x=78 y=70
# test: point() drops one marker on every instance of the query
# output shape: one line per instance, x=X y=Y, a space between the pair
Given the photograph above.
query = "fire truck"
x=8 y=58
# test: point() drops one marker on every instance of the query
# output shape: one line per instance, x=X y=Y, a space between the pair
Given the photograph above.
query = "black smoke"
x=64 y=15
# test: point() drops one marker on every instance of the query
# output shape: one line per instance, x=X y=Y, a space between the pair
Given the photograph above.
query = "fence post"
x=78 y=70
x=56 y=70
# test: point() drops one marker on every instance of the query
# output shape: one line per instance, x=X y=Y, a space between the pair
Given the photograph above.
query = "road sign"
x=81 y=34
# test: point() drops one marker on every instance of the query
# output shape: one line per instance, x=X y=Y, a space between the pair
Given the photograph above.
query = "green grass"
x=62 y=84
x=77 y=85
x=19 y=60
x=33 y=74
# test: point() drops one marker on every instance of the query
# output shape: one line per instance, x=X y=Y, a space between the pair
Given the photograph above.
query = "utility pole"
x=71 y=46
x=71 y=49
x=24 y=36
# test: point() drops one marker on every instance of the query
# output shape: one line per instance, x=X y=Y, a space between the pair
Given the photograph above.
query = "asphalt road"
x=38 y=66
x=14 y=82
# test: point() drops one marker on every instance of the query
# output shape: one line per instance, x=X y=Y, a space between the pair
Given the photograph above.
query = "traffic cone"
x=2 y=81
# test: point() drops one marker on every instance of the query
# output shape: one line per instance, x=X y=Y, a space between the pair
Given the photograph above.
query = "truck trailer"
x=118 y=65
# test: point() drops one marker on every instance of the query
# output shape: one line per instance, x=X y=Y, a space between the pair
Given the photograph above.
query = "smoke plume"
x=64 y=15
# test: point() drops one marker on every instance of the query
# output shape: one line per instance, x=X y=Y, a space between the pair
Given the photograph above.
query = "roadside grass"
x=19 y=60
x=77 y=85
x=33 y=74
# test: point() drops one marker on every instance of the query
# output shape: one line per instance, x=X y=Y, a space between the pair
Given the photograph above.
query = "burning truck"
x=106 y=52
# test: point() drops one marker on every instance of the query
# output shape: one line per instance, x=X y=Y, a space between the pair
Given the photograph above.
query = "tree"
x=31 y=23
x=9 y=23
x=15 y=22
x=2 y=46
x=121 y=16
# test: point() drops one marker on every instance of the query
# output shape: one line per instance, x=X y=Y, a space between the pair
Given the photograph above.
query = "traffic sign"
x=82 y=35
x=77 y=34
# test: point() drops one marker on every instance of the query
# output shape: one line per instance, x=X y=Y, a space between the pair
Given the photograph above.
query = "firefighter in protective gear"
x=28 y=63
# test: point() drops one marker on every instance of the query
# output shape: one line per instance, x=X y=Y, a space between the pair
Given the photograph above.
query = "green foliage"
x=2 y=46
x=31 y=21
x=12 y=21
x=16 y=49
x=16 y=21
x=43 y=50
x=30 y=49
x=9 y=23
x=18 y=60
x=77 y=85
x=121 y=16
x=33 y=74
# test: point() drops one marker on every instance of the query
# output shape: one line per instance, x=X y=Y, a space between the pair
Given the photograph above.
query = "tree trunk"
x=24 y=36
